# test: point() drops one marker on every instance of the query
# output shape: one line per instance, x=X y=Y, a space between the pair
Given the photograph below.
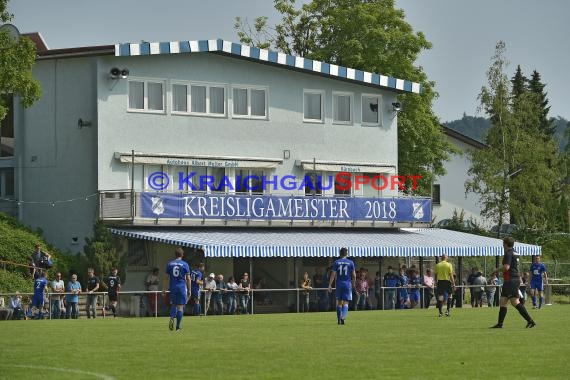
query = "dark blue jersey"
x=196 y=275
x=39 y=286
x=177 y=270
x=391 y=280
x=344 y=269
x=537 y=269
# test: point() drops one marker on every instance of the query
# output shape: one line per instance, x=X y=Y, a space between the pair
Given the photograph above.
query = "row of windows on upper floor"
x=251 y=102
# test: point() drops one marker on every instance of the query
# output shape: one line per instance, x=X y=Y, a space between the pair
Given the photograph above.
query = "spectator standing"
x=152 y=281
x=113 y=283
x=92 y=287
x=319 y=284
x=429 y=286
x=344 y=273
x=74 y=289
x=232 y=287
x=492 y=284
x=403 y=298
x=415 y=286
x=40 y=261
x=196 y=284
x=361 y=287
x=479 y=283
x=244 y=288
x=58 y=287
x=218 y=296
x=470 y=280
x=209 y=289
x=304 y=295
x=378 y=290
x=391 y=282
x=539 y=278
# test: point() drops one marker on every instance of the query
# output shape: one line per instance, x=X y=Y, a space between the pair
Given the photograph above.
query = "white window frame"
x=319 y=92
x=336 y=94
x=145 y=82
x=208 y=86
x=380 y=109
x=248 y=88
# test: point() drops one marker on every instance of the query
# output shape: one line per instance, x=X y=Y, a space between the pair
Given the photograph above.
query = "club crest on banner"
x=157 y=205
x=418 y=211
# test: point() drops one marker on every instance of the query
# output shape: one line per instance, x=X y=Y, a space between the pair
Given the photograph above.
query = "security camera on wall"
x=117 y=73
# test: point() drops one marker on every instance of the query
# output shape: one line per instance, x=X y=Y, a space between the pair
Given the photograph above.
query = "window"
x=179 y=98
x=371 y=109
x=342 y=108
x=249 y=102
x=313 y=106
x=436 y=194
x=7 y=128
x=249 y=181
x=146 y=95
x=7 y=183
x=342 y=184
x=199 y=98
x=313 y=183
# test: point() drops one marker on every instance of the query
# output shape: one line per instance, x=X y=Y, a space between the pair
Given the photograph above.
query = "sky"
x=463 y=33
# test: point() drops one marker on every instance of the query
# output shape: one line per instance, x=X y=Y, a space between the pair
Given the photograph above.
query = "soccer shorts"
x=537 y=284
x=343 y=291
x=38 y=300
x=443 y=288
x=113 y=296
x=510 y=289
x=178 y=296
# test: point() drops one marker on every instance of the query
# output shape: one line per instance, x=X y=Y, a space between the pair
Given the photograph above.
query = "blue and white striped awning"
x=273 y=242
x=266 y=56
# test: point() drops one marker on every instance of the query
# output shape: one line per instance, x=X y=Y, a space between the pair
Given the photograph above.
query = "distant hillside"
x=472 y=126
x=477 y=127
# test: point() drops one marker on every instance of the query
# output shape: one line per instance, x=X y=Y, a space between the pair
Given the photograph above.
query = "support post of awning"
x=459 y=302
x=421 y=276
x=250 y=283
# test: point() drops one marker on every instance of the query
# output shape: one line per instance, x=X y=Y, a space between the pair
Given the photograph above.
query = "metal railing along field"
x=259 y=301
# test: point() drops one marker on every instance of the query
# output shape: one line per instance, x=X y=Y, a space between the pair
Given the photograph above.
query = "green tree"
x=102 y=251
x=547 y=125
x=514 y=175
x=17 y=57
x=370 y=35
x=519 y=83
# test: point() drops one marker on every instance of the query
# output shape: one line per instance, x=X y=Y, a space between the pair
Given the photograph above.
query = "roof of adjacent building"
x=268 y=57
x=463 y=138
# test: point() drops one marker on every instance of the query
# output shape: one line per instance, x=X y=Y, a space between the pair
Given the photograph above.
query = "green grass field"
x=411 y=344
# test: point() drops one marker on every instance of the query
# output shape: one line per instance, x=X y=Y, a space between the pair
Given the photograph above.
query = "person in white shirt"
x=209 y=287
x=57 y=286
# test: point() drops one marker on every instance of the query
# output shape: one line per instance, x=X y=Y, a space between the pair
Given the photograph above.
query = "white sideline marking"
x=69 y=370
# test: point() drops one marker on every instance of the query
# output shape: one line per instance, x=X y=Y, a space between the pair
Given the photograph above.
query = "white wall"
x=452 y=187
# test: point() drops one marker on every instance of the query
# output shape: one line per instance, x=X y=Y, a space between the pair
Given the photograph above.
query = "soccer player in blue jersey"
x=178 y=279
x=197 y=281
x=343 y=271
x=38 y=300
x=538 y=271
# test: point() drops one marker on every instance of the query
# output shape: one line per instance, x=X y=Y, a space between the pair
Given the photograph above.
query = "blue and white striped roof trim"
x=408 y=242
x=268 y=56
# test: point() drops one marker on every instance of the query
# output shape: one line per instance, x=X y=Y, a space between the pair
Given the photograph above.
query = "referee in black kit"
x=510 y=288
